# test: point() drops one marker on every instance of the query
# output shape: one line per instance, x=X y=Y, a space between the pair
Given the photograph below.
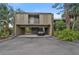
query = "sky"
x=37 y=7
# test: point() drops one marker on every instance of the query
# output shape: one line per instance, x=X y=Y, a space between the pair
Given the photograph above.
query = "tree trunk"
x=6 y=27
x=67 y=21
x=74 y=22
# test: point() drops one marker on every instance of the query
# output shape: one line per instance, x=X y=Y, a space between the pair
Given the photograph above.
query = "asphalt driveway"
x=38 y=46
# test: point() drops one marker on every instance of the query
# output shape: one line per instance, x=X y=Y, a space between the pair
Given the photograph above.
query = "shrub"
x=4 y=34
x=67 y=35
x=28 y=30
x=60 y=25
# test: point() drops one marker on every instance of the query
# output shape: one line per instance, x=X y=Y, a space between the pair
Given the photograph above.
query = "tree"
x=69 y=9
x=58 y=6
x=6 y=13
x=74 y=10
x=59 y=25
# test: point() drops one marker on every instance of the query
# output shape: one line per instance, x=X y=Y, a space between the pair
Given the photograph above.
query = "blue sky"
x=36 y=7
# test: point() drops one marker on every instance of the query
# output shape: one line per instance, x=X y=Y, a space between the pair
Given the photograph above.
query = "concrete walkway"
x=38 y=46
x=33 y=36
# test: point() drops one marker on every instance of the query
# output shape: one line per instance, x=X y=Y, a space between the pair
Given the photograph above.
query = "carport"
x=32 y=29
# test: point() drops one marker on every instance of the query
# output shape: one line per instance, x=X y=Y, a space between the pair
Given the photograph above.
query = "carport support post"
x=14 y=25
x=50 y=30
x=15 y=30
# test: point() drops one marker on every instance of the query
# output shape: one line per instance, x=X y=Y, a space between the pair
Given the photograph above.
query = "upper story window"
x=33 y=19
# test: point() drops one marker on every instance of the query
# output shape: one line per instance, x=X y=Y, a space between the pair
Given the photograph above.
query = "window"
x=33 y=19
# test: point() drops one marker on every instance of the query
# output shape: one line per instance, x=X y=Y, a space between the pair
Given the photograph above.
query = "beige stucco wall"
x=17 y=30
x=45 y=19
x=21 y=19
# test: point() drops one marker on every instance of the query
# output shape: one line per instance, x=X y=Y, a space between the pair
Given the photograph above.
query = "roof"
x=32 y=13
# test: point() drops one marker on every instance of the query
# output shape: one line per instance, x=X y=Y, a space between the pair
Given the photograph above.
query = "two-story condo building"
x=33 y=22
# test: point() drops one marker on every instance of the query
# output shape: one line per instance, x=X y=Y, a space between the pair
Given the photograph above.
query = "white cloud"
x=57 y=16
